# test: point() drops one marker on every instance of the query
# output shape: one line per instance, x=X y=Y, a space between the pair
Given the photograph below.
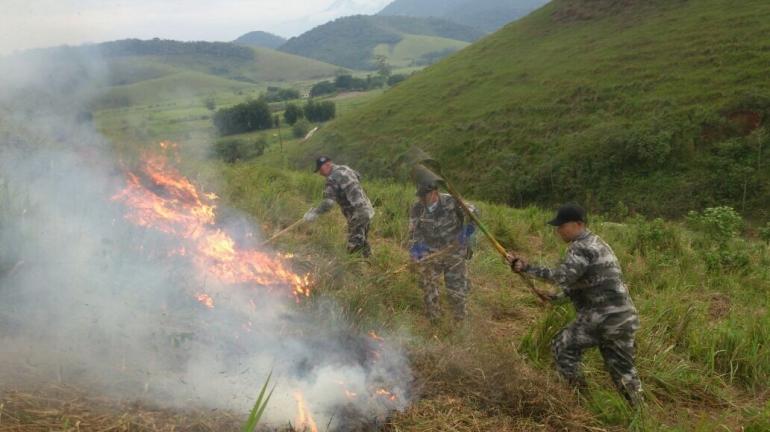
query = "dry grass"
x=61 y=407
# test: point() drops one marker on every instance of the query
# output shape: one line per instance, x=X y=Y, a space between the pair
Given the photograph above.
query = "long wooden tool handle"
x=500 y=249
x=282 y=232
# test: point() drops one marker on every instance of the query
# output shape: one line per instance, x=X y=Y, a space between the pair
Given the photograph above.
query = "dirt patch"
x=719 y=306
x=745 y=121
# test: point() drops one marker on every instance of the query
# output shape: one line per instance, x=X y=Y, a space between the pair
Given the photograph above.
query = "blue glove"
x=466 y=234
x=418 y=251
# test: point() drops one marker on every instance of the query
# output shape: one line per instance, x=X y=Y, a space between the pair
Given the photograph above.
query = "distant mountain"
x=484 y=15
x=260 y=39
x=354 y=41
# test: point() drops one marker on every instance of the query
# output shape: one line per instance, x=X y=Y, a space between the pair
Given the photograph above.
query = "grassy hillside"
x=416 y=50
x=351 y=41
x=658 y=107
x=141 y=72
x=485 y=15
x=260 y=39
x=701 y=350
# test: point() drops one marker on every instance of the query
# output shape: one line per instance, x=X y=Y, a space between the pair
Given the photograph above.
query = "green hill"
x=352 y=41
x=658 y=107
x=138 y=71
x=260 y=39
x=485 y=15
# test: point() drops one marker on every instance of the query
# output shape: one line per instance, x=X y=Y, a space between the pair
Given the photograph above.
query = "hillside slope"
x=484 y=15
x=138 y=71
x=260 y=39
x=657 y=107
x=351 y=41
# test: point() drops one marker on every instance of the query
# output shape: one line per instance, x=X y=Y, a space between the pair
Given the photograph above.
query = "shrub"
x=233 y=149
x=300 y=128
x=293 y=113
x=275 y=94
x=246 y=117
x=719 y=223
x=764 y=233
x=323 y=88
x=320 y=111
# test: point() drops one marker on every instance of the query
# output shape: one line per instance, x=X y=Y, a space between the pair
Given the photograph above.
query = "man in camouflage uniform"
x=437 y=226
x=343 y=185
x=591 y=278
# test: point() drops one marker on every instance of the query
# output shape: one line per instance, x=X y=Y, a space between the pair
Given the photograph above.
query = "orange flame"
x=206 y=300
x=159 y=197
x=386 y=394
x=304 y=420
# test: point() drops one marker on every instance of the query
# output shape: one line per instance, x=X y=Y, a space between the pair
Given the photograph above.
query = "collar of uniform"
x=584 y=235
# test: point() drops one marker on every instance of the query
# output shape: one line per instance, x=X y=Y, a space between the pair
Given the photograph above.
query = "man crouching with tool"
x=590 y=276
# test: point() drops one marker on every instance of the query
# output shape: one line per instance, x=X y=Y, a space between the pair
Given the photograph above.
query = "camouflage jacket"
x=343 y=185
x=439 y=227
x=590 y=276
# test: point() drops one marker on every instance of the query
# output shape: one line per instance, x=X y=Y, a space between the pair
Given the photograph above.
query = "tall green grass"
x=702 y=348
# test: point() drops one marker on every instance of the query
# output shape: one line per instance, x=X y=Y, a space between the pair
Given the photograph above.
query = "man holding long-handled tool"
x=439 y=243
x=343 y=186
x=590 y=276
x=426 y=170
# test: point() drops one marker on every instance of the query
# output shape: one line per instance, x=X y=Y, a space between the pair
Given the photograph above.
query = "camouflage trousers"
x=454 y=270
x=358 y=232
x=613 y=334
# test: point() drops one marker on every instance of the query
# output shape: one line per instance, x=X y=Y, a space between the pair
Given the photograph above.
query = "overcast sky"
x=40 y=23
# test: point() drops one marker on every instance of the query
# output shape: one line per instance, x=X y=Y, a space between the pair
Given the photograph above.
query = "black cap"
x=425 y=188
x=569 y=213
x=320 y=161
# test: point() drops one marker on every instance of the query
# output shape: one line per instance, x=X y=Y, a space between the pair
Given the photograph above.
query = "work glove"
x=418 y=251
x=466 y=234
x=310 y=215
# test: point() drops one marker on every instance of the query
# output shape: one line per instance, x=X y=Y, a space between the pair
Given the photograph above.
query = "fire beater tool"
x=282 y=232
x=427 y=170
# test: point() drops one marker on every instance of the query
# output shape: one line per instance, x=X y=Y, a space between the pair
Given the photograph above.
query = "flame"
x=304 y=419
x=206 y=300
x=386 y=394
x=159 y=197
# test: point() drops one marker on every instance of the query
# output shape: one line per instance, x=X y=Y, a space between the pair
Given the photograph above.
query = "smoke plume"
x=88 y=297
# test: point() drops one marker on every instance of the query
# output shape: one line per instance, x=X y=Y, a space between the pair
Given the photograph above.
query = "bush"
x=323 y=88
x=293 y=113
x=301 y=128
x=320 y=111
x=764 y=233
x=275 y=94
x=233 y=149
x=719 y=223
x=246 y=117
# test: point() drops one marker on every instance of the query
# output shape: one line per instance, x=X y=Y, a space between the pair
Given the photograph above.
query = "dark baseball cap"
x=320 y=161
x=425 y=188
x=569 y=213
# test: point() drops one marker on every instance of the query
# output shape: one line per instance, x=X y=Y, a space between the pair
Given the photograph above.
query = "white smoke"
x=89 y=298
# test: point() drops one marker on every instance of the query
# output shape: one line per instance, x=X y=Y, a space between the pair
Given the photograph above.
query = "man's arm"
x=572 y=268
x=328 y=199
x=324 y=206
